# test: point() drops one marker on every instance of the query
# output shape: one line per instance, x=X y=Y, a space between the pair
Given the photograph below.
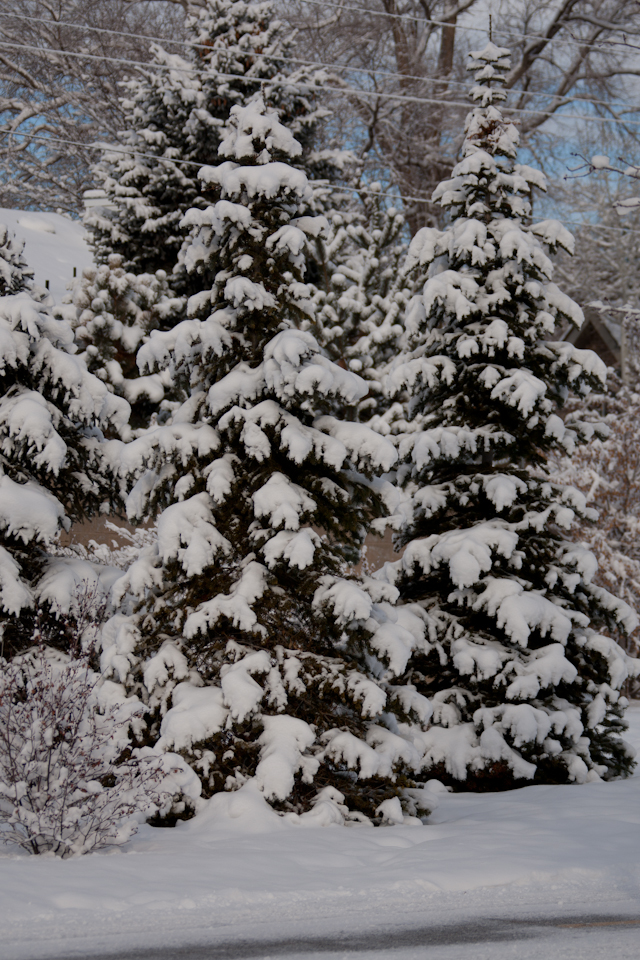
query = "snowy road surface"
x=552 y=934
x=490 y=876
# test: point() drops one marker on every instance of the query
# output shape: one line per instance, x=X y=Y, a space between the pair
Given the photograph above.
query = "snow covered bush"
x=258 y=655
x=523 y=685
x=68 y=781
x=113 y=312
x=51 y=468
x=177 y=114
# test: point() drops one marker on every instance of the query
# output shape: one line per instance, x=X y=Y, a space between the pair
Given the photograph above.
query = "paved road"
x=608 y=937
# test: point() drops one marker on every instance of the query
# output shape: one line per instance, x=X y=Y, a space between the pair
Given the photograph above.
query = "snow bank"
x=53 y=246
x=239 y=863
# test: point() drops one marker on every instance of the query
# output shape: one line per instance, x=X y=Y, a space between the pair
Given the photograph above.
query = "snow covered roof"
x=54 y=245
x=614 y=328
x=599 y=333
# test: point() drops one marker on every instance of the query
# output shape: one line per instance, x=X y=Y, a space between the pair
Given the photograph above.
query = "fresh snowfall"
x=224 y=727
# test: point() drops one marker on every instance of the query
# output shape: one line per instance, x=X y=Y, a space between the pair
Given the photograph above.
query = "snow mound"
x=243 y=811
x=238 y=863
x=37 y=224
x=53 y=246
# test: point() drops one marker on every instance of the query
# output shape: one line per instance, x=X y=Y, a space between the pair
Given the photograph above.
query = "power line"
x=143 y=65
x=311 y=88
x=135 y=154
x=320 y=3
x=599 y=226
x=265 y=56
x=319 y=63
x=392 y=16
x=468 y=29
x=107 y=147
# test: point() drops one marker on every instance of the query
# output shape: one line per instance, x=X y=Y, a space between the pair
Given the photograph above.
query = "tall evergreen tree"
x=523 y=685
x=262 y=659
x=51 y=471
x=176 y=112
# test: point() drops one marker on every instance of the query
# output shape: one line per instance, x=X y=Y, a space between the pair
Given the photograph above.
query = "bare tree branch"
x=50 y=93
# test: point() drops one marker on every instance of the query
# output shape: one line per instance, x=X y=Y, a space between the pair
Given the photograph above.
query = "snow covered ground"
x=557 y=851
x=54 y=245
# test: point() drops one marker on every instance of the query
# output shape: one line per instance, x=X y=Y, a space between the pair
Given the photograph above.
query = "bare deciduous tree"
x=416 y=50
x=608 y=473
x=404 y=81
x=52 y=91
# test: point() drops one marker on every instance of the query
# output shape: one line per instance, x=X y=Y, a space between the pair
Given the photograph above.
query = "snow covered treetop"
x=489 y=66
x=252 y=26
x=256 y=134
x=487 y=186
x=488 y=289
x=486 y=129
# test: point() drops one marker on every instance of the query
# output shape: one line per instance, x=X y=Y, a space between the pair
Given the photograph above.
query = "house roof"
x=598 y=333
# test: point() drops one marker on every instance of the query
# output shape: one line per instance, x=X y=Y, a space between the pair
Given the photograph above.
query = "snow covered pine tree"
x=522 y=685
x=15 y=275
x=51 y=471
x=268 y=667
x=112 y=313
x=359 y=311
x=176 y=112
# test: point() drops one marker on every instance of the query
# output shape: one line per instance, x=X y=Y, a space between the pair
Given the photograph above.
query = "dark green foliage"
x=259 y=655
x=177 y=114
x=51 y=470
x=523 y=685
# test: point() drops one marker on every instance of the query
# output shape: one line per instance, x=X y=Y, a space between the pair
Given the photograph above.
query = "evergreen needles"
x=263 y=659
x=523 y=685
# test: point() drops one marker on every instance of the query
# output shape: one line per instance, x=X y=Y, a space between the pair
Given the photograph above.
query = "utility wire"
x=315 y=63
x=135 y=154
x=311 y=88
x=560 y=41
x=392 y=16
x=107 y=147
x=320 y=63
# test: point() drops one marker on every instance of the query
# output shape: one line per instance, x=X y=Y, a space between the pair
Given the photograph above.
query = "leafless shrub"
x=69 y=782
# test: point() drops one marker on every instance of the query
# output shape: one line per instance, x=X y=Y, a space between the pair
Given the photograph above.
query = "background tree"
x=112 y=313
x=404 y=77
x=15 y=276
x=607 y=471
x=606 y=266
x=177 y=113
x=524 y=685
x=358 y=318
x=48 y=92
